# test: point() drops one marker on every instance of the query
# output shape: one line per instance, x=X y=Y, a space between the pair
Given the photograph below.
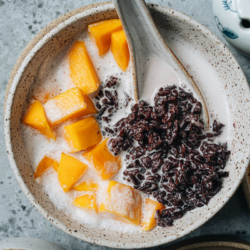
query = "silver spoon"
x=145 y=42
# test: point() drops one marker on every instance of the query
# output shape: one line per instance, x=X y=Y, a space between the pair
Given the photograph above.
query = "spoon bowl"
x=154 y=63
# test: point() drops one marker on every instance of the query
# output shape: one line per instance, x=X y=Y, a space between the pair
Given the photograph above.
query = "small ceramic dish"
x=232 y=98
x=232 y=18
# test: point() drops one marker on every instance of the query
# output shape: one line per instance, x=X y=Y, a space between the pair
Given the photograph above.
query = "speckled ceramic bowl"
x=53 y=39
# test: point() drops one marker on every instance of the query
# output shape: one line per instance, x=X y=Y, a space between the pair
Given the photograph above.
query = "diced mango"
x=43 y=165
x=55 y=166
x=83 y=134
x=36 y=119
x=43 y=94
x=104 y=162
x=90 y=105
x=42 y=97
x=101 y=33
x=124 y=202
x=86 y=186
x=69 y=171
x=68 y=105
x=82 y=71
x=148 y=220
x=119 y=48
x=86 y=201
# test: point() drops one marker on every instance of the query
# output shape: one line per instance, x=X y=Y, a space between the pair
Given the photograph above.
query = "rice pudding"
x=71 y=148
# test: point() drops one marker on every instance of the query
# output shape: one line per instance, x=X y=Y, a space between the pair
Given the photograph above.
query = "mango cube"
x=55 y=166
x=91 y=107
x=35 y=118
x=83 y=134
x=124 y=202
x=82 y=71
x=86 y=186
x=43 y=165
x=119 y=48
x=148 y=220
x=101 y=33
x=86 y=201
x=43 y=96
x=68 y=105
x=104 y=162
x=69 y=171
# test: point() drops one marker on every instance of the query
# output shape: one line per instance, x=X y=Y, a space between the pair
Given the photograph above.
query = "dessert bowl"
x=230 y=95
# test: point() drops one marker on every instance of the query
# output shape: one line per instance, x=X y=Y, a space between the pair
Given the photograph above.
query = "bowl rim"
x=30 y=50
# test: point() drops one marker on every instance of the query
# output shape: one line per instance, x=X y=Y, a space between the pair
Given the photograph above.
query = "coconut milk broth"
x=54 y=78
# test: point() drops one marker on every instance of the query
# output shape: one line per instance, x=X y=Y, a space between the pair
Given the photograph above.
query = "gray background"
x=20 y=20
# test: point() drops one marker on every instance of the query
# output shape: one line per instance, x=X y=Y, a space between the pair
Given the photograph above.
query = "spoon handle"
x=138 y=24
x=140 y=32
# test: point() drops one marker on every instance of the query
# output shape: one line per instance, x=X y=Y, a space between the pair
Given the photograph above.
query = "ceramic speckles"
x=230 y=16
x=56 y=37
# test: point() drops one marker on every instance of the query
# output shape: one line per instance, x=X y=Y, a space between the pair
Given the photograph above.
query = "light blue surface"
x=28 y=243
x=20 y=20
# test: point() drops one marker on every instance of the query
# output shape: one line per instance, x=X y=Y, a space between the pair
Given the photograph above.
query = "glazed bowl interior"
x=57 y=37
